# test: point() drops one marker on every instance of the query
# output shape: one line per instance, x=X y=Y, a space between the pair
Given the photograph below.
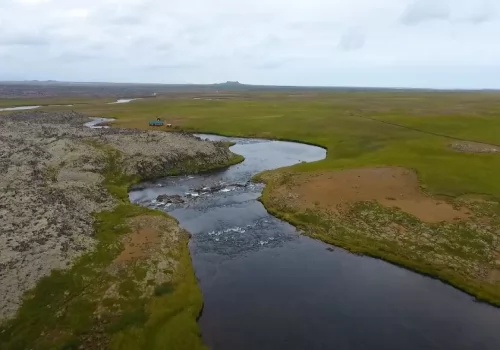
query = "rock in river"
x=174 y=199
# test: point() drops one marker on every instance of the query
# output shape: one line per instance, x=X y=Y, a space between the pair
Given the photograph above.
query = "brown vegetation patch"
x=138 y=244
x=145 y=238
x=391 y=187
x=495 y=276
x=495 y=272
x=474 y=147
x=149 y=259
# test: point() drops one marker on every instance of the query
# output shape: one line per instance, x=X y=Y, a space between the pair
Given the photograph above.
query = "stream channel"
x=24 y=108
x=266 y=286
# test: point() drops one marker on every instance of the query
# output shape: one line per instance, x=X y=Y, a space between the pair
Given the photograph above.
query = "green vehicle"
x=157 y=122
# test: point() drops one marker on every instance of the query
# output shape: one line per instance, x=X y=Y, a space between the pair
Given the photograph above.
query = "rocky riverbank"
x=51 y=185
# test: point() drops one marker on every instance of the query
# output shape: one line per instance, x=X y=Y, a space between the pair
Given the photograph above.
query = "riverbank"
x=451 y=239
x=103 y=271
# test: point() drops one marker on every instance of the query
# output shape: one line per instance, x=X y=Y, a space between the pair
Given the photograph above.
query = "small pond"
x=123 y=100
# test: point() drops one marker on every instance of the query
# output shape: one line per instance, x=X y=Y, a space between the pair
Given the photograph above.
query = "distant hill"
x=230 y=84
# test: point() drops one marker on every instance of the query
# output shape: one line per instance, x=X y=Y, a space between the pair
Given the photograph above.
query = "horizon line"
x=237 y=83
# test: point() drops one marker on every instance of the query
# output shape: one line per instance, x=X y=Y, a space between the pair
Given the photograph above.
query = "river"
x=99 y=123
x=25 y=108
x=266 y=286
x=19 y=108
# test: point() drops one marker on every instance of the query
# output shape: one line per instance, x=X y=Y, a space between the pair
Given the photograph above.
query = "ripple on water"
x=266 y=232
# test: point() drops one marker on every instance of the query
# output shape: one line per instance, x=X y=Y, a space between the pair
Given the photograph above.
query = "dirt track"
x=51 y=184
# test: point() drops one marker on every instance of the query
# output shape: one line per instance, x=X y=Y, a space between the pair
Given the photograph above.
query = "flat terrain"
x=391 y=187
x=445 y=142
x=410 y=176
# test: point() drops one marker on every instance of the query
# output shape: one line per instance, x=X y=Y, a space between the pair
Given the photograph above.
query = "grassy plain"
x=333 y=121
x=410 y=129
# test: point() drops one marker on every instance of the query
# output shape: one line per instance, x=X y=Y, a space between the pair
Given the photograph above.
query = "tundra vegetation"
x=95 y=270
x=436 y=211
x=410 y=177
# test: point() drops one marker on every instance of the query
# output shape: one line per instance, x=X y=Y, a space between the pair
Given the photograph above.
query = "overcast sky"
x=398 y=43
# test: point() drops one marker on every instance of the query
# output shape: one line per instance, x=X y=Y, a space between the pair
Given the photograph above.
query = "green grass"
x=18 y=102
x=360 y=129
x=172 y=315
x=330 y=120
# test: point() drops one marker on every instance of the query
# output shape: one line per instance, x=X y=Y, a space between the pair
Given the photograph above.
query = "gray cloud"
x=479 y=13
x=351 y=40
x=173 y=66
x=419 y=11
x=23 y=39
x=453 y=11
x=273 y=63
x=271 y=41
x=479 y=18
x=126 y=19
x=73 y=57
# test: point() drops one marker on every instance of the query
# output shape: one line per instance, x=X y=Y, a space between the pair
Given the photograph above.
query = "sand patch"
x=474 y=147
x=391 y=187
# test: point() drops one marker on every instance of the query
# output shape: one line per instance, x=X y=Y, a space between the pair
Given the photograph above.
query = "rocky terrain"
x=51 y=185
x=475 y=147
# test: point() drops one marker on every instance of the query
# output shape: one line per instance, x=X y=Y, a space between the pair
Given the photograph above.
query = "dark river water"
x=266 y=286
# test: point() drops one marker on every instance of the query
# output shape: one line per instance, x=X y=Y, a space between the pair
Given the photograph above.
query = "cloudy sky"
x=398 y=43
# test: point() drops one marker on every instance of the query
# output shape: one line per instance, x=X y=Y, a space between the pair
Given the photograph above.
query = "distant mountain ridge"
x=185 y=87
